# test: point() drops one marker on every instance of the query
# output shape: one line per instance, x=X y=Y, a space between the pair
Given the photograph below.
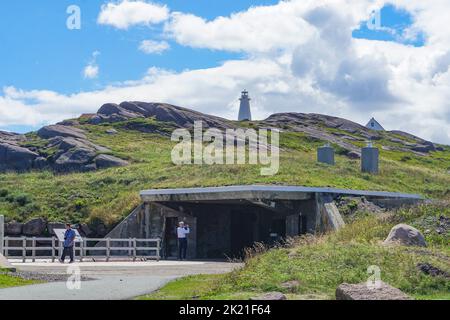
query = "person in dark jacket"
x=69 y=242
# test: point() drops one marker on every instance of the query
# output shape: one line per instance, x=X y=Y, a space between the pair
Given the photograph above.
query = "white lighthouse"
x=244 y=110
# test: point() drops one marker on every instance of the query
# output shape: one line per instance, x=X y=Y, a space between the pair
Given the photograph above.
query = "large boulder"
x=183 y=117
x=106 y=161
x=67 y=143
x=35 y=227
x=405 y=235
x=49 y=132
x=363 y=292
x=13 y=229
x=51 y=226
x=74 y=159
x=431 y=270
x=16 y=158
x=85 y=230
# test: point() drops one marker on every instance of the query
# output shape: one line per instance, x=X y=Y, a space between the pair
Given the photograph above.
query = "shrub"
x=3 y=193
x=22 y=199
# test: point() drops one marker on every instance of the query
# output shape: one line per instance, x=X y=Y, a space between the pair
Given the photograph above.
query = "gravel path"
x=46 y=277
x=109 y=281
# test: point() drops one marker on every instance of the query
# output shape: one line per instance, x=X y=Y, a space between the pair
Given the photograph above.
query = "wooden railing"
x=107 y=248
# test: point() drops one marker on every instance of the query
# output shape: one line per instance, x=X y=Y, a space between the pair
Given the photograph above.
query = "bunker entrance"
x=242 y=232
x=226 y=228
x=170 y=238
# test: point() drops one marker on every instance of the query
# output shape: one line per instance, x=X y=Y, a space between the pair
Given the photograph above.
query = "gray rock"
x=432 y=270
x=106 y=161
x=291 y=286
x=74 y=159
x=271 y=296
x=11 y=137
x=15 y=158
x=60 y=131
x=101 y=230
x=111 y=131
x=71 y=143
x=40 y=163
x=362 y=292
x=425 y=148
x=51 y=226
x=85 y=230
x=35 y=227
x=404 y=234
x=13 y=229
x=162 y=112
x=353 y=155
x=89 y=167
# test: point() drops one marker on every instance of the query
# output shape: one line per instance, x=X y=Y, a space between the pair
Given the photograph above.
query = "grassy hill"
x=106 y=196
x=319 y=264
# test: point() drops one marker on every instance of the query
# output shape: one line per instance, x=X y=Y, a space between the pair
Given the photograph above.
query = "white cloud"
x=300 y=58
x=128 y=13
x=156 y=47
x=259 y=29
x=91 y=71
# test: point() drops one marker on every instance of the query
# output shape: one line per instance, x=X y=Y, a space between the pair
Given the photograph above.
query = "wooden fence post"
x=24 y=249
x=158 y=251
x=33 y=250
x=130 y=250
x=53 y=250
x=6 y=247
x=81 y=250
x=108 y=249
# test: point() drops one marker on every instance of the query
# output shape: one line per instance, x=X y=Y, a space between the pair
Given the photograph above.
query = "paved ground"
x=113 y=280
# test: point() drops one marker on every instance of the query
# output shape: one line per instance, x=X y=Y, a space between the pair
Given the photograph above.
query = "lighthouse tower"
x=244 y=110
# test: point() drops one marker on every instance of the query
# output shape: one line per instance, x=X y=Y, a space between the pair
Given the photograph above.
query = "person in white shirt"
x=182 y=231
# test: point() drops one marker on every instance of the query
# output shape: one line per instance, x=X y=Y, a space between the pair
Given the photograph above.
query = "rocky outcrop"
x=57 y=130
x=71 y=151
x=13 y=229
x=363 y=292
x=433 y=271
x=35 y=227
x=74 y=160
x=179 y=116
x=404 y=234
x=107 y=161
x=51 y=226
x=342 y=132
x=15 y=158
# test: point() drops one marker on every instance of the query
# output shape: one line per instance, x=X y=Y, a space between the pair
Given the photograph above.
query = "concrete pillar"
x=369 y=159
x=325 y=155
x=2 y=233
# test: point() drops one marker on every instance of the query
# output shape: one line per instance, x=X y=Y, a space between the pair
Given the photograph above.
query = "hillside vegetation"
x=106 y=196
x=319 y=264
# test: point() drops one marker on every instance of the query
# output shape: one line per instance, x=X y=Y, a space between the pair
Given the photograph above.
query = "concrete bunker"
x=225 y=220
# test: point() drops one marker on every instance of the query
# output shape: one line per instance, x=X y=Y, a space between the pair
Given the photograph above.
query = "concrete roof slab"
x=269 y=192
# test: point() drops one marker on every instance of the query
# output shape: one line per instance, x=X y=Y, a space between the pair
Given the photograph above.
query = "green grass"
x=321 y=263
x=8 y=281
x=108 y=195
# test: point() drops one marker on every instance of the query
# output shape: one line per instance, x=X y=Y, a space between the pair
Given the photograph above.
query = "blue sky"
x=217 y=48
x=41 y=53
